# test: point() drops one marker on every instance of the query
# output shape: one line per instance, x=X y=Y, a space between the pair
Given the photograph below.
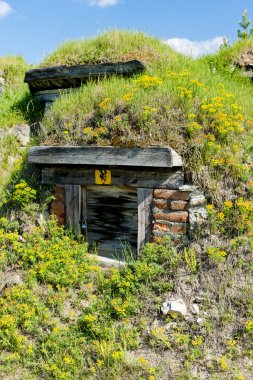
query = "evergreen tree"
x=244 y=24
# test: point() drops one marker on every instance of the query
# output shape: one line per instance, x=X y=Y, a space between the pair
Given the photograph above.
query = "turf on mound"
x=204 y=114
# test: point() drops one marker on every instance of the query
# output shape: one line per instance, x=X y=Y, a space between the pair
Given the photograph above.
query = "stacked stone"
x=177 y=212
x=57 y=205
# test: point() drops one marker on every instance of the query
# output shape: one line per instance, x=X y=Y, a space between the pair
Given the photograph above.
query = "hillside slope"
x=64 y=317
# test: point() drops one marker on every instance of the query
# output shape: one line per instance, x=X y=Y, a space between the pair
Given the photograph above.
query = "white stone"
x=194 y=309
x=188 y=188
x=1 y=81
x=10 y=279
x=14 y=280
x=43 y=218
x=200 y=321
x=174 y=307
x=22 y=133
x=197 y=200
x=197 y=215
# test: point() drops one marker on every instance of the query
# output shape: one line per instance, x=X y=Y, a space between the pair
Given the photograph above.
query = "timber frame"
x=73 y=169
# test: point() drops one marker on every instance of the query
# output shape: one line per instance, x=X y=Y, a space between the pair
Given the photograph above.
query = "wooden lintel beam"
x=164 y=157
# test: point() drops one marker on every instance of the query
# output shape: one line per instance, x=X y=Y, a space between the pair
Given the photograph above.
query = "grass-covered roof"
x=201 y=108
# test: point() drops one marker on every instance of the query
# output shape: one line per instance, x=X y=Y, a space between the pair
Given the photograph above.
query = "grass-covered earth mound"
x=64 y=317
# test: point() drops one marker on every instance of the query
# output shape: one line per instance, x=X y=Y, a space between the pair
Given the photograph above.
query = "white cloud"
x=102 y=3
x=5 y=9
x=195 y=48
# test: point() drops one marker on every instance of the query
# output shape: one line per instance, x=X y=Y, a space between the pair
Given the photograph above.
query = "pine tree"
x=244 y=24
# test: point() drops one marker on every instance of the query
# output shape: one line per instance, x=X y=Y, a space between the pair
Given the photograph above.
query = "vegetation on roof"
x=202 y=112
x=112 y=46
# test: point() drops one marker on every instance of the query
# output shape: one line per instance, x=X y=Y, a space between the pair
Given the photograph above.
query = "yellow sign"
x=103 y=177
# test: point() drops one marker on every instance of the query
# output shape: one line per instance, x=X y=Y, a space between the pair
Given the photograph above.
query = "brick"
x=180 y=216
x=171 y=194
x=57 y=208
x=59 y=189
x=162 y=204
x=60 y=221
x=173 y=228
x=161 y=227
x=178 y=228
x=179 y=205
x=59 y=197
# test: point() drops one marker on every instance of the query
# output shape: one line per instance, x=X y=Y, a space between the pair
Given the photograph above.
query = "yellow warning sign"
x=103 y=177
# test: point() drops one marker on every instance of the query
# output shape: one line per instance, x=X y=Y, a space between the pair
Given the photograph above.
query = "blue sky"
x=34 y=28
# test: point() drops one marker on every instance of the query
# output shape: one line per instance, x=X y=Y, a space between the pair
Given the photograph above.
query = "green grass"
x=16 y=96
x=112 y=46
x=16 y=108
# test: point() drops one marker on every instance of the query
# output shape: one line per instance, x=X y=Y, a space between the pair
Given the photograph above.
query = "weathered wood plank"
x=145 y=197
x=159 y=178
x=75 y=155
x=73 y=207
x=73 y=76
x=51 y=95
x=84 y=215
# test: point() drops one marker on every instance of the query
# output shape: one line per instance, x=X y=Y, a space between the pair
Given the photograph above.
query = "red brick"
x=174 y=228
x=162 y=204
x=171 y=194
x=59 y=189
x=60 y=221
x=179 y=205
x=178 y=228
x=59 y=197
x=57 y=208
x=161 y=227
x=172 y=216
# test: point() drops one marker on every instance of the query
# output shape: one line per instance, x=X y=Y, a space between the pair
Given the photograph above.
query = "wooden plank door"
x=73 y=207
x=145 y=198
x=112 y=220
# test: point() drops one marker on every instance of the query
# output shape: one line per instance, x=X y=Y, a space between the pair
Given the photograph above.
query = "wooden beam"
x=74 y=76
x=145 y=198
x=134 y=177
x=51 y=95
x=107 y=156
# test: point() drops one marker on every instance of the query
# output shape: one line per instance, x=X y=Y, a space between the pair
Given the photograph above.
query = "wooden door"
x=112 y=220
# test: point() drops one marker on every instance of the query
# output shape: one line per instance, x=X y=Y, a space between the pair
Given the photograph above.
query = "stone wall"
x=177 y=213
x=58 y=205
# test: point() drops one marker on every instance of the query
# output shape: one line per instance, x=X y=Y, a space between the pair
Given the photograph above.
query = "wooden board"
x=112 y=219
x=145 y=198
x=51 y=95
x=158 y=178
x=163 y=157
x=73 y=207
x=73 y=76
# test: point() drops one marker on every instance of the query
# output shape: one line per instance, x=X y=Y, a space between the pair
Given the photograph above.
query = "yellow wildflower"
x=221 y=216
x=228 y=204
x=143 y=361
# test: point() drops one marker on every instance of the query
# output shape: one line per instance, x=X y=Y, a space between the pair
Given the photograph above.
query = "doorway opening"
x=111 y=218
